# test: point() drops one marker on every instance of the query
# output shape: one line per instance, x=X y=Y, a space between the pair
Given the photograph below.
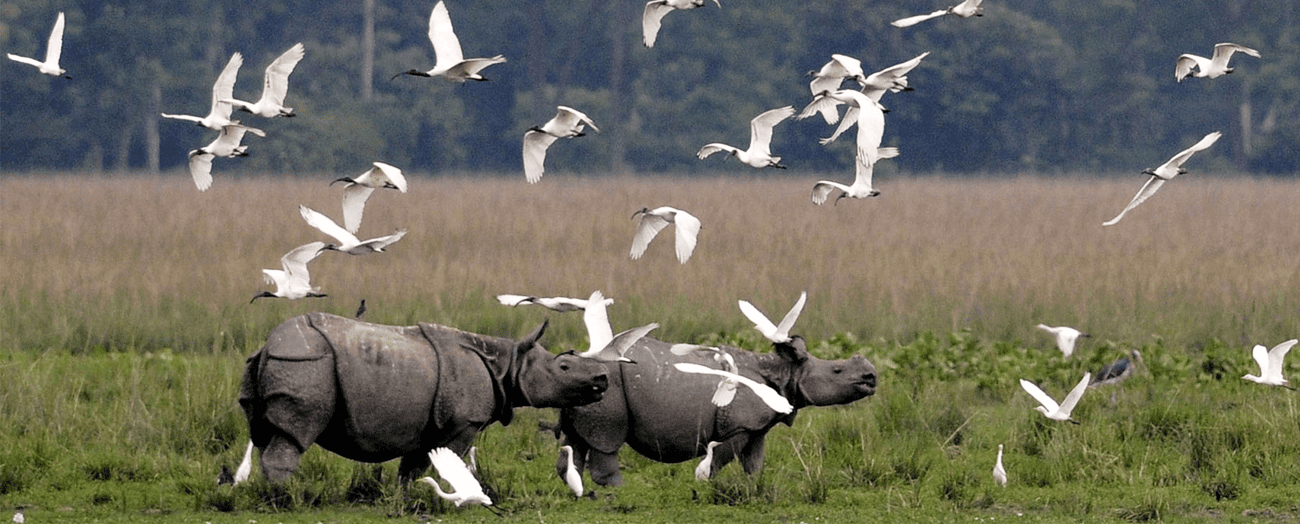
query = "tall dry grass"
x=148 y=262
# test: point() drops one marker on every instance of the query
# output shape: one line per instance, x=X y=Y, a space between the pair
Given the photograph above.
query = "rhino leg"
x=280 y=458
x=751 y=455
x=603 y=468
x=412 y=465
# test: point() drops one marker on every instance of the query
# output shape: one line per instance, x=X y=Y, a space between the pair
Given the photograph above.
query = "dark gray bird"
x=1118 y=371
x=361 y=310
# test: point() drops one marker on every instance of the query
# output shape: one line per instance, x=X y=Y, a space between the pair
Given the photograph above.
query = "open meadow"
x=125 y=320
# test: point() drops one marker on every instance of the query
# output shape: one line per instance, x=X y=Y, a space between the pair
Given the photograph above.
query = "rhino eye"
x=837 y=370
x=564 y=367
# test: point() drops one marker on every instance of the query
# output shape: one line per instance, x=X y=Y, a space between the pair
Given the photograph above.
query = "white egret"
x=567 y=123
x=604 y=344
x=1117 y=371
x=1213 y=67
x=219 y=115
x=779 y=334
x=759 y=153
x=52 y=51
x=705 y=469
x=226 y=145
x=348 y=243
x=569 y=472
x=655 y=10
x=293 y=282
x=655 y=220
x=892 y=79
x=1065 y=337
x=870 y=119
x=245 y=466
x=831 y=76
x=726 y=390
x=465 y=488
x=1271 y=364
x=450 y=61
x=18 y=516
x=966 y=9
x=561 y=304
x=358 y=190
x=1166 y=171
x=1049 y=407
x=274 y=87
x=999 y=472
x=768 y=395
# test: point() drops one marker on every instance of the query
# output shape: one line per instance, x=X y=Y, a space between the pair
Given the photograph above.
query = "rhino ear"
x=795 y=351
x=532 y=338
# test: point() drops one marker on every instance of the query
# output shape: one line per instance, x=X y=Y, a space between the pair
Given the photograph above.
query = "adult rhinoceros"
x=373 y=393
x=668 y=415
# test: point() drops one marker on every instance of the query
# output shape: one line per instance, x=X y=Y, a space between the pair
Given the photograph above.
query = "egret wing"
x=389 y=174
x=651 y=19
x=1203 y=144
x=453 y=470
x=224 y=88
x=1067 y=405
x=783 y=329
x=760 y=128
x=55 y=45
x=599 y=334
x=822 y=190
x=512 y=300
x=379 y=243
x=326 y=225
x=913 y=20
x=573 y=118
x=295 y=261
x=764 y=326
x=1143 y=194
x=446 y=47
x=650 y=226
x=850 y=118
x=768 y=395
x=724 y=393
x=1277 y=355
x=1186 y=62
x=277 y=74
x=354 y=205
x=201 y=169
x=1223 y=52
x=1260 y=354
x=688 y=231
x=623 y=342
x=1038 y=394
x=710 y=149
x=535 y=145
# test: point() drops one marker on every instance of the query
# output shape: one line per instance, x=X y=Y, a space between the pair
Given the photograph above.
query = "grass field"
x=124 y=321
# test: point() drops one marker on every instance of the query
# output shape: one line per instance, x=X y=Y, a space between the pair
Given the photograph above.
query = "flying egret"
x=1049 y=407
x=705 y=469
x=655 y=10
x=358 y=190
x=1117 y=371
x=829 y=78
x=1065 y=337
x=567 y=123
x=293 y=282
x=226 y=145
x=1270 y=364
x=561 y=304
x=466 y=489
x=759 y=153
x=870 y=119
x=52 y=51
x=892 y=79
x=274 y=87
x=1213 y=67
x=245 y=466
x=348 y=243
x=219 y=116
x=568 y=472
x=1166 y=171
x=768 y=395
x=726 y=390
x=966 y=9
x=450 y=61
x=655 y=220
x=605 y=346
x=779 y=334
x=999 y=472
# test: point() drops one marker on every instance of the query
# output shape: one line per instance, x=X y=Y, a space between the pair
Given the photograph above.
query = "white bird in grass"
x=293 y=281
x=705 y=469
x=18 y=516
x=892 y=79
x=655 y=220
x=275 y=86
x=829 y=78
x=358 y=190
x=655 y=10
x=605 y=346
x=52 y=51
x=726 y=390
x=1000 y=473
x=779 y=334
x=219 y=116
x=348 y=243
x=226 y=145
x=759 y=153
x=1049 y=407
x=1065 y=337
x=561 y=304
x=965 y=9
x=450 y=61
x=569 y=472
x=465 y=488
x=768 y=395
x=1271 y=364
x=567 y=123
x=245 y=466
x=1214 y=67
x=1166 y=171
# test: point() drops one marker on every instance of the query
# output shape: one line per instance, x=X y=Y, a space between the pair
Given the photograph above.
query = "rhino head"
x=817 y=382
x=545 y=380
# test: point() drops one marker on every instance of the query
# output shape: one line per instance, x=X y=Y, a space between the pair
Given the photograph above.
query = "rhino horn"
x=795 y=351
x=532 y=338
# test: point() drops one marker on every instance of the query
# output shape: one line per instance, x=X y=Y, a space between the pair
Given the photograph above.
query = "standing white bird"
x=604 y=344
x=348 y=243
x=18 y=516
x=219 y=115
x=655 y=220
x=705 y=469
x=759 y=153
x=465 y=488
x=892 y=79
x=966 y=9
x=568 y=471
x=831 y=76
x=358 y=190
x=1166 y=171
x=655 y=10
x=245 y=466
x=567 y=123
x=52 y=51
x=226 y=145
x=274 y=87
x=870 y=119
x=779 y=334
x=1214 y=67
x=999 y=472
x=1271 y=364
x=726 y=390
x=1049 y=407
x=768 y=395
x=450 y=61
x=1065 y=337
x=293 y=281
x=561 y=304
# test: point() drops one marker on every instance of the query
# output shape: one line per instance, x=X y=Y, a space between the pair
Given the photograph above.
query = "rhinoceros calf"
x=668 y=415
x=373 y=393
